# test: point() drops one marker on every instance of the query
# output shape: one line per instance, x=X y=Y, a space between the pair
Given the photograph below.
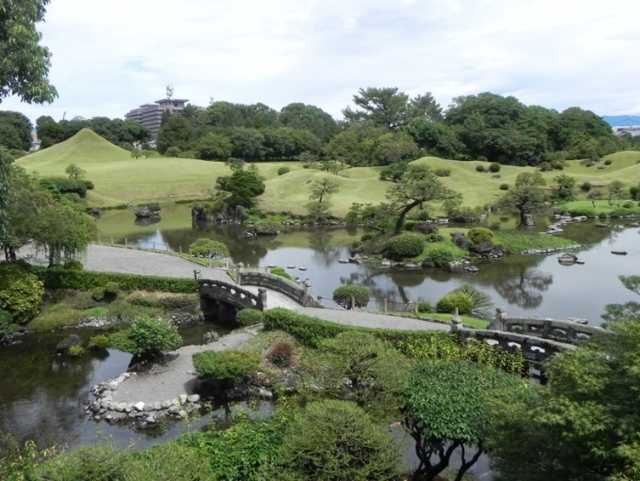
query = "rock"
x=194 y=398
x=157 y=406
x=111 y=386
x=183 y=414
x=174 y=409
x=265 y=394
x=148 y=407
x=211 y=336
x=288 y=380
x=150 y=420
x=121 y=407
x=261 y=228
x=67 y=342
x=165 y=404
x=175 y=402
x=183 y=398
x=483 y=248
x=94 y=407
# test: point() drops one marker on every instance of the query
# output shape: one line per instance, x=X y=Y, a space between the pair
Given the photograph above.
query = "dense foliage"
x=244 y=187
x=152 y=336
x=20 y=292
x=226 y=366
x=455 y=300
x=404 y=245
x=249 y=317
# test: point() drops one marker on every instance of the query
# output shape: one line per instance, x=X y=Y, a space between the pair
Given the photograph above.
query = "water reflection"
x=146 y=221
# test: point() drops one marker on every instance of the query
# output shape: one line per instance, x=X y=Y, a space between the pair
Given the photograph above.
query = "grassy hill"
x=121 y=179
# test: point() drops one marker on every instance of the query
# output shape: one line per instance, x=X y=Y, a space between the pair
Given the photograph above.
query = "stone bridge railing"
x=299 y=293
x=232 y=294
x=538 y=338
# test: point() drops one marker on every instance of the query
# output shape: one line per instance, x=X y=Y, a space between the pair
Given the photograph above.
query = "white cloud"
x=111 y=55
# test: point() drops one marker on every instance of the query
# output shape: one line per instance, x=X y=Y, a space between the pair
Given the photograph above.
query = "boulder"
x=67 y=342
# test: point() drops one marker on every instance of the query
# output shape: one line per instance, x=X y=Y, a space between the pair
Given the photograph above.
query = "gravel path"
x=371 y=319
x=177 y=376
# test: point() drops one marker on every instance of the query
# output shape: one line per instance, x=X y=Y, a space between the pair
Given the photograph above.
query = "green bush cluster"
x=478 y=235
x=75 y=351
x=64 y=185
x=249 y=317
x=441 y=257
x=108 y=292
x=449 y=302
x=442 y=172
x=88 y=280
x=226 y=366
x=405 y=245
x=504 y=186
x=494 y=167
x=348 y=295
x=580 y=211
x=480 y=168
x=586 y=187
x=608 y=162
x=173 y=303
x=73 y=265
x=424 y=307
x=98 y=342
x=20 y=292
x=279 y=271
x=283 y=170
x=7 y=327
x=152 y=336
x=410 y=225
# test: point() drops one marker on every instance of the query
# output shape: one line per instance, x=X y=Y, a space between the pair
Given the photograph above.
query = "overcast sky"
x=110 y=56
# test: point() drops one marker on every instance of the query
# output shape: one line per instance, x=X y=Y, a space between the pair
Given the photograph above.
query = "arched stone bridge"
x=220 y=301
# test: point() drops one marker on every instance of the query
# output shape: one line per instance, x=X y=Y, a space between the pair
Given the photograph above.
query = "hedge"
x=58 y=278
x=311 y=331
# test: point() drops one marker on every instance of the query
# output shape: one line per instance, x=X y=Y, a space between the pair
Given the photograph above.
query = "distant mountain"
x=621 y=120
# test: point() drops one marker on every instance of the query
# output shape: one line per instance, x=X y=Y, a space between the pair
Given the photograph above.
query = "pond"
x=525 y=285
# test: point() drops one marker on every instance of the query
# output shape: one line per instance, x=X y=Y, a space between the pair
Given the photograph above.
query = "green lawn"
x=119 y=179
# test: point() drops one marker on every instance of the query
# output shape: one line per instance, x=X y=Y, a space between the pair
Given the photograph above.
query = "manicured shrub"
x=172 y=152
x=151 y=336
x=97 y=294
x=558 y=166
x=627 y=205
x=424 y=307
x=449 y=302
x=281 y=354
x=495 y=167
x=209 y=248
x=442 y=172
x=441 y=257
x=88 y=184
x=635 y=192
x=404 y=245
x=545 y=166
x=478 y=235
x=98 y=342
x=482 y=303
x=480 y=168
x=394 y=172
x=336 y=440
x=349 y=295
x=73 y=265
x=608 y=162
x=226 y=366
x=580 y=211
x=482 y=158
x=585 y=187
x=279 y=271
x=87 y=280
x=244 y=186
x=410 y=225
x=64 y=185
x=504 y=186
x=283 y=170
x=249 y=317
x=20 y=292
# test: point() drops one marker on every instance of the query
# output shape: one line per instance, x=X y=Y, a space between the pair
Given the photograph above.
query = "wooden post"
x=386 y=305
x=353 y=302
x=415 y=307
x=111 y=240
x=126 y=241
x=99 y=240
x=180 y=249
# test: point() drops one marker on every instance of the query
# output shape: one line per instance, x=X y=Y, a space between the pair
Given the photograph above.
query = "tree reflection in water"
x=319 y=242
x=524 y=287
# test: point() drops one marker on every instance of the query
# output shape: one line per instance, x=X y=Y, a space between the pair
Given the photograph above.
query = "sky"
x=110 y=56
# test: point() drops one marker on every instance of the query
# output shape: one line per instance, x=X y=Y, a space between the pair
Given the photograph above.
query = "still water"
x=525 y=285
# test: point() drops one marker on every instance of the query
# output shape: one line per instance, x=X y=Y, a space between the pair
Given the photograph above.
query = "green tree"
x=616 y=191
x=152 y=336
x=310 y=118
x=48 y=129
x=214 y=147
x=394 y=147
x=418 y=185
x=530 y=179
x=385 y=107
x=5 y=171
x=15 y=131
x=336 y=441
x=75 y=172
x=450 y=408
x=424 y=107
x=566 y=184
x=25 y=63
x=323 y=189
x=176 y=132
x=244 y=187
x=350 y=295
x=209 y=248
x=62 y=232
x=247 y=144
x=523 y=201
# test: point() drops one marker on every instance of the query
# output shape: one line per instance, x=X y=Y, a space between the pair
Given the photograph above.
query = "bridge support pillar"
x=498 y=321
x=263 y=298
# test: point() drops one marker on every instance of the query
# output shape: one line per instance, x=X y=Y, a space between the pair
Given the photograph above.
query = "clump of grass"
x=517 y=241
x=55 y=318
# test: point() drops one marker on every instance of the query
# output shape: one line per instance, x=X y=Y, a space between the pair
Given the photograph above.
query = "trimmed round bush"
x=279 y=271
x=424 y=306
x=20 y=292
x=343 y=296
x=449 y=302
x=495 y=167
x=478 y=235
x=283 y=170
x=586 y=187
x=73 y=265
x=504 y=186
x=226 y=366
x=410 y=225
x=151 y=336
x=635 y=192
x=608 y=162
x=405 y=245
x=441 y=257
x=558 y=166
x=249 y=317
x=480 y=168
x=172 y=152
x=442 y=172
x=482 y=158
x=627 y=205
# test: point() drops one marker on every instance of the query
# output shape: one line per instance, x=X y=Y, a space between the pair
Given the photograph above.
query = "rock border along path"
x=168 y=390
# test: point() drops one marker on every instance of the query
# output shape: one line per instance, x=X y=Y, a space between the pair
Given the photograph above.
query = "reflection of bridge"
x=538 y=338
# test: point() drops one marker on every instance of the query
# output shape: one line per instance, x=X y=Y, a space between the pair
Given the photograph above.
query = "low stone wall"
x=299 y=293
